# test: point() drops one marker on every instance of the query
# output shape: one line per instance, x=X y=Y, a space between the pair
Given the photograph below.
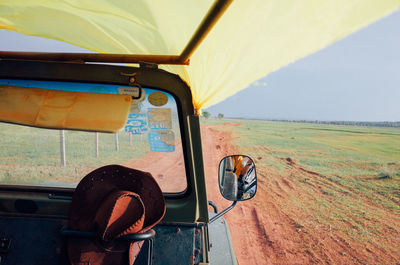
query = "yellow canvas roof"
x=252 y=38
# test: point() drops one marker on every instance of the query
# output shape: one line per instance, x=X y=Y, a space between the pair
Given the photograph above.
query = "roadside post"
x=62 y=148
x=116 y=141
x=96 y=144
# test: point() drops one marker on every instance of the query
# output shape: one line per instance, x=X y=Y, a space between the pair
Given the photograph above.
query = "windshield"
x=149 y=141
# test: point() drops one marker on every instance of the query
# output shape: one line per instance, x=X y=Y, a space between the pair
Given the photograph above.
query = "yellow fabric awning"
x=252 y=39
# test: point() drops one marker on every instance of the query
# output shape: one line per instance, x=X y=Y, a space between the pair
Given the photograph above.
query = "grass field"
x=335 y=179
x=363 y=158
x=330 y=183
x=31 y=156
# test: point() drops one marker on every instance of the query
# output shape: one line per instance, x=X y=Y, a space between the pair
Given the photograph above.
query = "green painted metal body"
x=182 y=234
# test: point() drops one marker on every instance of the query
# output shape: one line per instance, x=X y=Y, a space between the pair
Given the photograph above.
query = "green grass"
x=31 y=156
x=355 y=171
x=359 y=156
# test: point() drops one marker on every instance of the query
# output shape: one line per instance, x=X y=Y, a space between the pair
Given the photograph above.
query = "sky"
x=354 y=79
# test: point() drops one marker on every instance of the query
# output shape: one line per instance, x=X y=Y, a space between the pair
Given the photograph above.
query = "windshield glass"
x=149 y=141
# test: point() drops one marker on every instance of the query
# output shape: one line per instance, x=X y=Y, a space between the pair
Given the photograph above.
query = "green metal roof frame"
x=206 y=25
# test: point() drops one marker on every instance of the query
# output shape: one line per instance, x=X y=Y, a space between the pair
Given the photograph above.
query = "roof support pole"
x=208 y=22
x=213 y=15
x=91 y=57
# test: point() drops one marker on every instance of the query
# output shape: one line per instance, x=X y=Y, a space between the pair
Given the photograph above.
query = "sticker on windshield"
x=136 y=124
x=162 y=140
x=158 y=99
x=130 y=91
x=160 y=118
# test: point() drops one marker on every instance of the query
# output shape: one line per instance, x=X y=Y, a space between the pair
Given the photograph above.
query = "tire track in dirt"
x=246 y=229
x=336 y=248
x=273 y=228
x=338 y=187
x=167 y=168
x=259 y=228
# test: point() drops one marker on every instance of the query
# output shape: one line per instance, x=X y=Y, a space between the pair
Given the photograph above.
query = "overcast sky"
x=356 y=78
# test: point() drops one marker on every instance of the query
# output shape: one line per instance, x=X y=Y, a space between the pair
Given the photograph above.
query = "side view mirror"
x=237 y=179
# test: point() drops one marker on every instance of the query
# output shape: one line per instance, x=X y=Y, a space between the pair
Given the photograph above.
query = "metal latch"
x=4 y=244
x=148 y=65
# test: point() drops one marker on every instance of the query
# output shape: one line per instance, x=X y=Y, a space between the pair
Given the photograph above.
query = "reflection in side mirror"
x=237 y=178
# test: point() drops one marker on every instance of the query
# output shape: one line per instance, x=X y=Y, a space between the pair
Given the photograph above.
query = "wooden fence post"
x=96 y=144
x=62 y=148
x=116 y=141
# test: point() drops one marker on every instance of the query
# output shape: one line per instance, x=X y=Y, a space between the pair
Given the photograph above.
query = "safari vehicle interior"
x=50 y=139
x=70 y=124
x=48 y=207
x=35 y=203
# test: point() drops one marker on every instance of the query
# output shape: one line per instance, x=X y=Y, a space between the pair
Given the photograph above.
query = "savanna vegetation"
x=32 y=156
x=338 y=187
x=331 y=189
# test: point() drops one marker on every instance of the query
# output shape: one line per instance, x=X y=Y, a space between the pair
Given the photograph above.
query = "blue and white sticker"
x=162 y=140
x=136 y=124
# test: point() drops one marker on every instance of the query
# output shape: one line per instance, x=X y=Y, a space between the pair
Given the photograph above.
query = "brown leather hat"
x=113 y=201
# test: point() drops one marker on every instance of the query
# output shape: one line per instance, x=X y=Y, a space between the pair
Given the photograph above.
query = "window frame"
x=108 y=74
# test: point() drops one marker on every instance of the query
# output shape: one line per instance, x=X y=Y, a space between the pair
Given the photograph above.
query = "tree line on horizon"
x=395 y=124
x=390 y=124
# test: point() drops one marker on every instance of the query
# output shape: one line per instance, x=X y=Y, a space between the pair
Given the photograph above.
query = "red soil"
x=171 y=180
x=271 y=229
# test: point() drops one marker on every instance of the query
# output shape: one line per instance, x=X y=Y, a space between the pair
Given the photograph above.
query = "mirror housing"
x=237 y=178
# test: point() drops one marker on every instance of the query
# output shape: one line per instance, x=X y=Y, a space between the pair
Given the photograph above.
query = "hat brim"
x=100 y=204
x=101 y=182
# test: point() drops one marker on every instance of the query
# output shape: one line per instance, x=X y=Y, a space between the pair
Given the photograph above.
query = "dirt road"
x=247 y=231
x=272 y=228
